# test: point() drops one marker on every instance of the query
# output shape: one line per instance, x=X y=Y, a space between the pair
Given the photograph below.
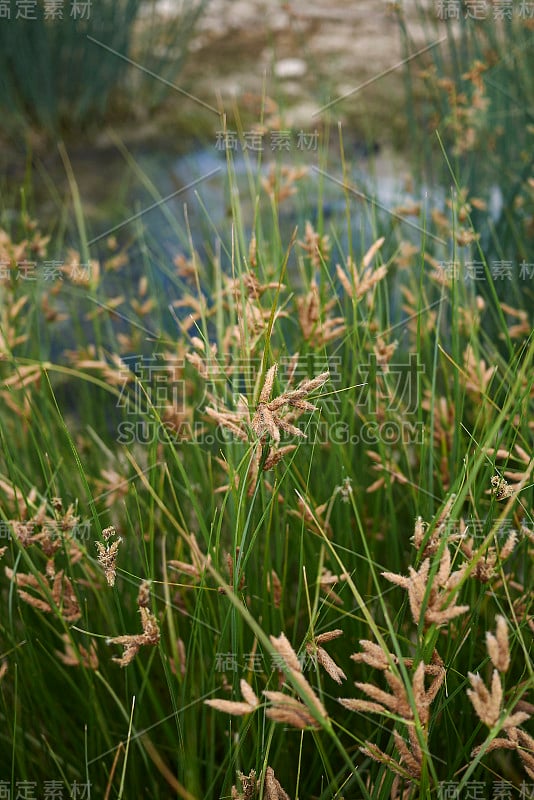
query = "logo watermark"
x=279 y=141
x=156 y=398
x=47 y=10
x=44 y=790
x=479 y=790
x=230 y=661
x=477 y=271
x=498 y=10
x=389 y=386
x=389 y=432
x=52 y=529
x=54 y=270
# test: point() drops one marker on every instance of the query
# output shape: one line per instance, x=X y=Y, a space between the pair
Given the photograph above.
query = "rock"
x=290 y=68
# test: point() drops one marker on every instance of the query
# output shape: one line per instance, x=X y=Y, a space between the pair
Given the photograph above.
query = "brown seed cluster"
x=489 y=703
x=107 y=554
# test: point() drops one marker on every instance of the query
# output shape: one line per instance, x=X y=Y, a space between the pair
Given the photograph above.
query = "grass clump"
x=63 y=66
x=474 y=89
x=279 y=548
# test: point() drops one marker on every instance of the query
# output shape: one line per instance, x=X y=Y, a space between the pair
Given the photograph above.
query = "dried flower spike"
x=501 y=489
x=107 y=558
x=487 y=703
x=498 y=648
x=133 y=642
x=249 y=786
x=267 y=419
x=316 y=650
x=273 y=789
x=237 y=708
x=437 y=607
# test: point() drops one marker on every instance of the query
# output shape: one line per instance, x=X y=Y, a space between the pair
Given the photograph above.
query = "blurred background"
x=125 y=125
